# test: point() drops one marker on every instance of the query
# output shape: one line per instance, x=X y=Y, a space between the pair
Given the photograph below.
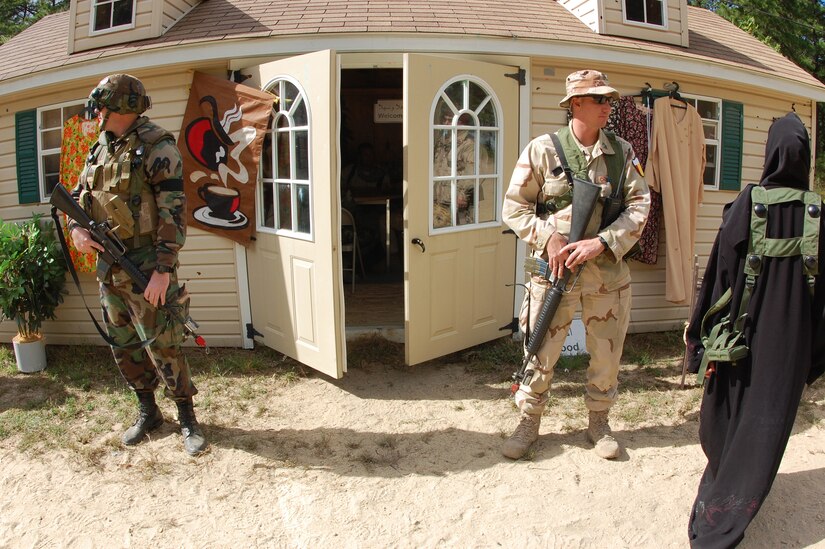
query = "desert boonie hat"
x=587 y=82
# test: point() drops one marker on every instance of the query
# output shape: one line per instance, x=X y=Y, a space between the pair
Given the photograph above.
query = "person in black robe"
x=748 y=408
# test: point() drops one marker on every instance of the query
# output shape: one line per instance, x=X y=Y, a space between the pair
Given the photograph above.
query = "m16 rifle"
x=585 y=196
x=114 y=253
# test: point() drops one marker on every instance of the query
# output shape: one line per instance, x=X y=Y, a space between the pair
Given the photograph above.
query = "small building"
x=348 y=72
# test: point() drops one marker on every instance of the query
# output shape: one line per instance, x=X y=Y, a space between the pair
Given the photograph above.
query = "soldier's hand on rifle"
x=83 y=241
x=556 y=254
x=156 y=289
x=581 y=251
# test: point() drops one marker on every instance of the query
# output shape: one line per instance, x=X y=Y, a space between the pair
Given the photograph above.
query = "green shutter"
x=730 y=174
x=25 y=135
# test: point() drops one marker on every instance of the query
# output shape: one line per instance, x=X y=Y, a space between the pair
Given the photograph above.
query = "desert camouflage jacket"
x=538 y=175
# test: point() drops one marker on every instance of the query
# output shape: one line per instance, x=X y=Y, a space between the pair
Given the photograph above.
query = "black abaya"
x=748 y=409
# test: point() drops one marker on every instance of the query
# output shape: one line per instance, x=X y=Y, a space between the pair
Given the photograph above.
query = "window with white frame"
x=285 y=195
x=50 y=121
x=112 y=15
x=710 y=110
x=648 y=12
x=466 y=145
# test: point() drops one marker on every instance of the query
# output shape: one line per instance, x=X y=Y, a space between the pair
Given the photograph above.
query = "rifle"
x=114 y=253
x=585 y=196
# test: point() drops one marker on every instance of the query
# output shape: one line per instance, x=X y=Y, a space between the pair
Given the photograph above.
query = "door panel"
x=296 y=291
x=456 y=283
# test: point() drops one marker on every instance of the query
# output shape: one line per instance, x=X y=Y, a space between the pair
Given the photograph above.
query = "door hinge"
x=251 y=332
x=520 y=76
x=511 y=327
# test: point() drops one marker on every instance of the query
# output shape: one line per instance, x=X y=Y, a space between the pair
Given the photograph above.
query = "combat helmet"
x=121 y=93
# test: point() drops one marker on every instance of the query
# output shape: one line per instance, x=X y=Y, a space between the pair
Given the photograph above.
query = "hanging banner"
x=220 y=141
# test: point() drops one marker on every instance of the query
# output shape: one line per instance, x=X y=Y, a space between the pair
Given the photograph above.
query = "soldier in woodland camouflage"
x=133 y=180
x=538 y=209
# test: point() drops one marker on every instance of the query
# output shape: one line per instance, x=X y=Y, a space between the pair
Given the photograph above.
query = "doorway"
x=371 y=184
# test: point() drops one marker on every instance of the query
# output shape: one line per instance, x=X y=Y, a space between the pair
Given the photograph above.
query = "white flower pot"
x=30 y=355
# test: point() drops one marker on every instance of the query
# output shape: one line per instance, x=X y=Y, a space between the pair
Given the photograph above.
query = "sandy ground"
x=389 y=458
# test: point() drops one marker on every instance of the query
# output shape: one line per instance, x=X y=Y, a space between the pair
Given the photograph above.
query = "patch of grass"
x=372 y=349
x=503 y=355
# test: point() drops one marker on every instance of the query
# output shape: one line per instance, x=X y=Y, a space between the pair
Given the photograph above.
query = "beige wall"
x=676 y=32
x=651 y=312
x=174 y=10
x=208 y=263
x=586 y=10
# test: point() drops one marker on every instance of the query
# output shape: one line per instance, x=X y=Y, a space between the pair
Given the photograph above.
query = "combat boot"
x=193 y=440
x=149 y=418
x=599 y=434
x=526 y=433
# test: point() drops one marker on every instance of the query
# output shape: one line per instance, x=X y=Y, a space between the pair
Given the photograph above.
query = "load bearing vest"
x=725 y=341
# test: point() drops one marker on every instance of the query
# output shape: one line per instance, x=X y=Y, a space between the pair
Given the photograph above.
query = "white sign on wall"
x=388 y=111
x=574 y=344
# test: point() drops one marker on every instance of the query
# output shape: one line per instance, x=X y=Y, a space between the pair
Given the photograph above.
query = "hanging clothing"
x=631 y=123
x=748 y=407
x=675 y=168
x=79 y=134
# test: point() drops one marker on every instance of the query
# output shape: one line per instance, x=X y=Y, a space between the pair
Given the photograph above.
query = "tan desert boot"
x=599 y=434
x=523 y=437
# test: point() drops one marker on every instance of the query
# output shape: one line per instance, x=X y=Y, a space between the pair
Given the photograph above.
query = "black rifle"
x=114 y=253
x=585 y=196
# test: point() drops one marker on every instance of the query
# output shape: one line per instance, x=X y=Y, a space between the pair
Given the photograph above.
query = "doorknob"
x=418 y=242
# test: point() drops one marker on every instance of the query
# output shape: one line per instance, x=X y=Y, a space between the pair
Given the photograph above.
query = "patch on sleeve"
x=638 y=166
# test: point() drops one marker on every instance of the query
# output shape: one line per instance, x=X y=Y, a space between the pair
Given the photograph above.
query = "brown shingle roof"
x=44 y=44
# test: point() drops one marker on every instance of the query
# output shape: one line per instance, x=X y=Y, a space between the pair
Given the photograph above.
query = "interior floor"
x=374 y=304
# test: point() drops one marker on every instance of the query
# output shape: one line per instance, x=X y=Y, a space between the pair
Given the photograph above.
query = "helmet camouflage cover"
x=121 y=93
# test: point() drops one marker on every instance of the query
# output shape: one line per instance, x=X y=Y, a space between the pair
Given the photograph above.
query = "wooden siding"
x=676 y=32
x=650 y=310
x=587 y=11
x=81 y=40
x=173 y=10
x=208 y=263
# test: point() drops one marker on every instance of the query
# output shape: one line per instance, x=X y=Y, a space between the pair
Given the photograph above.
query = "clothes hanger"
x=673 y=93
x=646 y=94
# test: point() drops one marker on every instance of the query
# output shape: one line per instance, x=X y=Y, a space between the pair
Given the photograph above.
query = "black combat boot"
x=149 y=418
x=193 y=440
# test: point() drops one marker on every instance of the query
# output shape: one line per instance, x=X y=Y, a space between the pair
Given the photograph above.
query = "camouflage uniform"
x=603 y=288
x=143 y=162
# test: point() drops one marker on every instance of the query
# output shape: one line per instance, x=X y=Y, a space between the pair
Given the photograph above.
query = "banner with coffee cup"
x=220 y=141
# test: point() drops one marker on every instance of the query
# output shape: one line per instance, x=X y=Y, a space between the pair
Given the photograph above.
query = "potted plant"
x=32 y=285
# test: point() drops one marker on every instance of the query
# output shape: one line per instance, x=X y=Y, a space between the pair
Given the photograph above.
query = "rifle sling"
x=70 y=267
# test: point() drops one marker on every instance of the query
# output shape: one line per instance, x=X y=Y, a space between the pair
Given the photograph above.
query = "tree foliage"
x=16 y=15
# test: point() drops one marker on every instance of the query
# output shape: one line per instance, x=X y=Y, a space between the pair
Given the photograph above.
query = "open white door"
x=294 y=265
x=460 y=145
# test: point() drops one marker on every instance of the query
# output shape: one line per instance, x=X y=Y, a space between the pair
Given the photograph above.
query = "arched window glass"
x=465 y=155
x=285 y=190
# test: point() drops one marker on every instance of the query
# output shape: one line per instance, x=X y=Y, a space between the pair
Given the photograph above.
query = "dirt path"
x=389 y=458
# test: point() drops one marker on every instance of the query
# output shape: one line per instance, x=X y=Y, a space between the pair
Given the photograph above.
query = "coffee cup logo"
x=222 y=201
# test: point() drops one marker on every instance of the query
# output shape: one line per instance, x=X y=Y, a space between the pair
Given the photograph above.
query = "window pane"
x=635 y=10
x=477 y=95
x=266 y=157
x=122 y=13
x=51 y=180
x=303 y=208
x=710 y=164
x=283 y=156
x=487 y=152
x=441 y=204
x=465 y=162
x=708 y=109
x=103 y=15
x=300 y=114
x=442 y=147
x=443 y=113
x=284 y=206
x=52 y=118
x=710 y=130
x=51 y=139
x=72 y=110
x=290 y=94
x=654 y=12
x=487 y=116
x=268 y=206
x=302 y=155
x=465 y=202
x=487 y=200
x=455 y=92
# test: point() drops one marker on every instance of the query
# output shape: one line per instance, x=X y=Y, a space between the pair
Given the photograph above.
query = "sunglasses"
x=602 y=99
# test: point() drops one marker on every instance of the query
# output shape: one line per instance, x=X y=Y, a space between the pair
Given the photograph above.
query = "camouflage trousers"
x=130 y=319
x=605 y=314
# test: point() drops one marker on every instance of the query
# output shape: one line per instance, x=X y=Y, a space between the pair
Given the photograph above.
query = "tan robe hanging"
x=675 y=168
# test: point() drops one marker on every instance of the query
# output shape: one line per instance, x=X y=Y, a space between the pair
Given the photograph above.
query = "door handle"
x=420 y=244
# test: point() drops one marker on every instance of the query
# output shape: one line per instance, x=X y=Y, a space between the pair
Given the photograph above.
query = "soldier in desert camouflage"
x=133 y=180
x=537 y=207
